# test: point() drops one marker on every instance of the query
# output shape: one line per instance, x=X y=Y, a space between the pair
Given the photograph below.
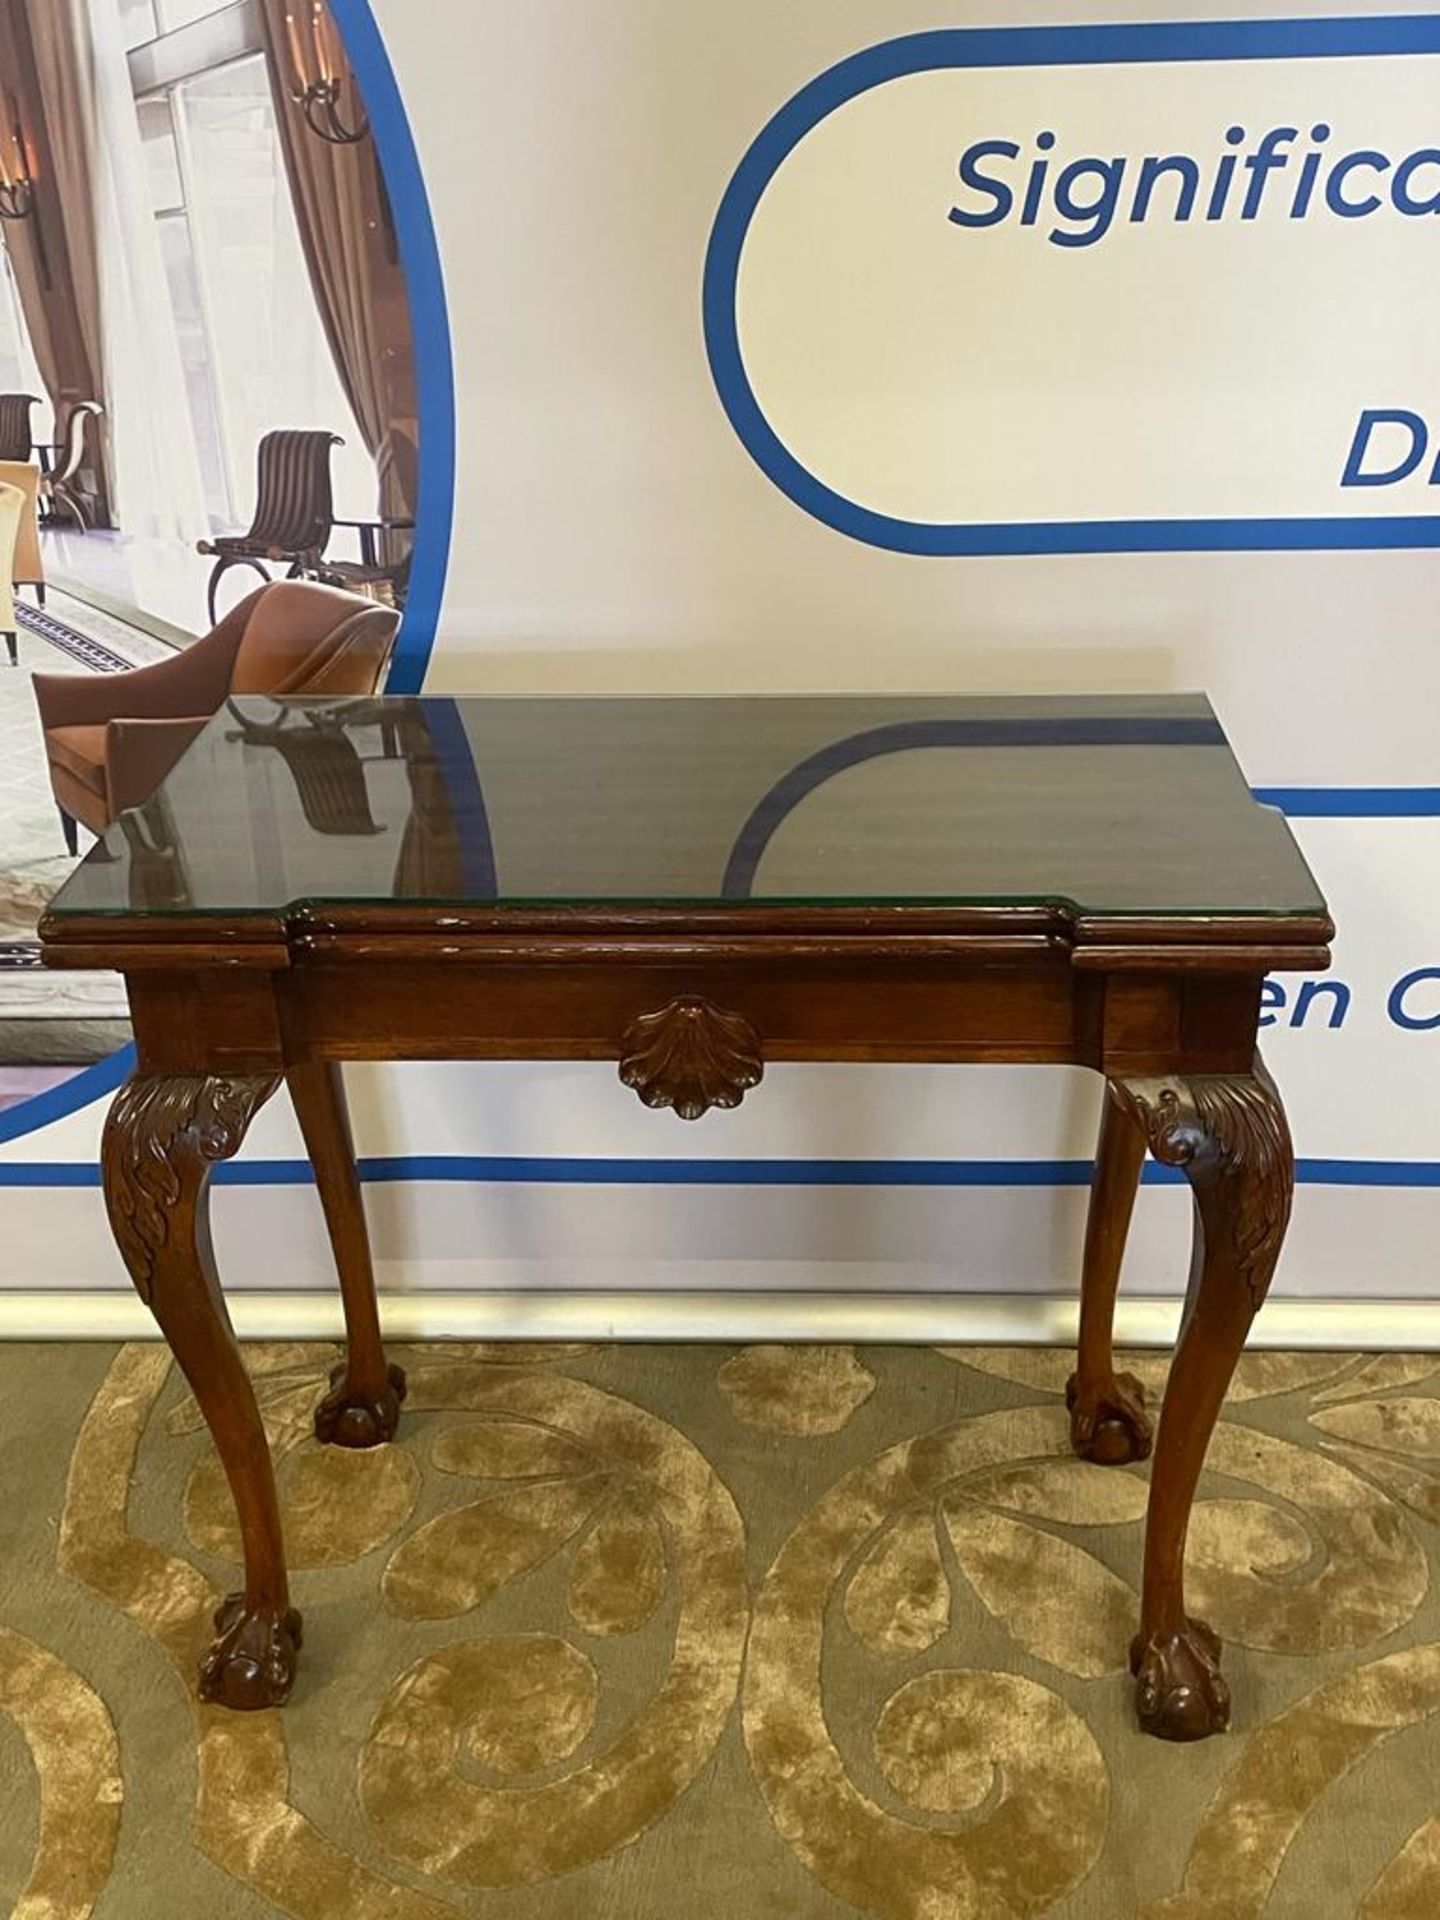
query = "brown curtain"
x=348 y=236
x=44 y=82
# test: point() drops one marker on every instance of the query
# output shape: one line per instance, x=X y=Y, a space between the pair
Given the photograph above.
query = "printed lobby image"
x=207 y=391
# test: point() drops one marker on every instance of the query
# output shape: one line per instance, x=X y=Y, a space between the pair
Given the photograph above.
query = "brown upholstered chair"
x=294 y=511
x=112 y=738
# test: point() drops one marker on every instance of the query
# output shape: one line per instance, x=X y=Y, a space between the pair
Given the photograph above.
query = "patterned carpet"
x=639 y=1633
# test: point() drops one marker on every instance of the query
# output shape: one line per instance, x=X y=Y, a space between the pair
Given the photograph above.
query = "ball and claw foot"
x=252 y=1664
x=346 y=1419
x=1110 y=1428
x=1180 y=1693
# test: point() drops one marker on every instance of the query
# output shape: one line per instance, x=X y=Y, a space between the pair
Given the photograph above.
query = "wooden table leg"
x=164 y=1134
x=1107 y=1409
x=362 y=1408
x=1230 y=1136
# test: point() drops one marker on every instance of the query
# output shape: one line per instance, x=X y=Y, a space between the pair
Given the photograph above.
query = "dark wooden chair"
x=17 y=437
x=372 y=575
x=324 y=763
x=383 y=570
x=63 y=491
x=294 y=512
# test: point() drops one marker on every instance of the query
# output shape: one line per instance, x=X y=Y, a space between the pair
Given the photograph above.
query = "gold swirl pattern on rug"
x=579 y=1461
x=800 y=1391
x=1326 y=1562
x=1259 y=1376
x=526 y=1621
x=77 y=1761
x=1287 y=1766
x=244 y=1819
x=1009 y=1753
x=339 y=1505
x=1409 y=1888
x=567 y=1456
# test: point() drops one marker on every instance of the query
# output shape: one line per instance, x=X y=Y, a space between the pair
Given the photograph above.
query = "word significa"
x=1081 y=200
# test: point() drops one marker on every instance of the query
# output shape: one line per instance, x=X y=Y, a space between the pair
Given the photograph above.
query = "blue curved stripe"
x=1353 y=803
x=467 y=798
x=88 y=1086
x=908 y=736
x=556 y=1171
x=430 y=322
x=987 y=47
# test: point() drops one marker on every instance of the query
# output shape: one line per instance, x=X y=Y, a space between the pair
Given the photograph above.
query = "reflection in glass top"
x=1125 y=806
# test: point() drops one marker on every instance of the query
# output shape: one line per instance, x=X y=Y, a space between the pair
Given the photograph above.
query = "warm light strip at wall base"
x=987 y=1319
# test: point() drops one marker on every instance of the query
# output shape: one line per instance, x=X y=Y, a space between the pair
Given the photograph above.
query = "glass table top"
x=1130 y=806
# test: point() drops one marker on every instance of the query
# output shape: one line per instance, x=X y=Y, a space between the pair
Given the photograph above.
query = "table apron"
x=219 y=1020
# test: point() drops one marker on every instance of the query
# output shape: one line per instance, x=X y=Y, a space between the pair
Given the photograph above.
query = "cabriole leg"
x=363 y=1407
x=1229 y=1134
x=1107 y=1409
x=164 y=1135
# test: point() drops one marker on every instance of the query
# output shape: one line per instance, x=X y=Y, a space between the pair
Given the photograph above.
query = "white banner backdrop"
x=615 y=533
x=1147 y=307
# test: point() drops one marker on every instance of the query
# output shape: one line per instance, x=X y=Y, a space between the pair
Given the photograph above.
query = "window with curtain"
x=143 y=20
x=18 y=371
x=179 y=13
x=137 y=21
x=252 y=348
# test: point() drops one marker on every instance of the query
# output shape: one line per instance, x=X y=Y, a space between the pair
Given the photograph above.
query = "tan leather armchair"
x=112 y=738
x=28 y=569
x=12 y=507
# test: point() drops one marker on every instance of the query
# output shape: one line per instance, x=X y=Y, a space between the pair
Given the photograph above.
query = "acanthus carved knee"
x=1229 y=1135
x=163 y=1134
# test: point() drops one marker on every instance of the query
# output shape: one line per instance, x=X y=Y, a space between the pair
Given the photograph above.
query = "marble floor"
x=155 y=584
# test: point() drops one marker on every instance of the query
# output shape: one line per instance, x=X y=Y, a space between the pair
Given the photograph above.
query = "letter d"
x=1374 y=417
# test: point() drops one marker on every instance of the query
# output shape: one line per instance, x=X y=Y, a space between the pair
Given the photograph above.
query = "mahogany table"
x=694 y=888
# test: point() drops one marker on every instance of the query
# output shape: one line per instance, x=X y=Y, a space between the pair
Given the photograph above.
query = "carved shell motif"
x=691 y=1056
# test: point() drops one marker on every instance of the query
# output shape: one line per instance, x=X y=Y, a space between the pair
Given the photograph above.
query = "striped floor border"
x=82 y=647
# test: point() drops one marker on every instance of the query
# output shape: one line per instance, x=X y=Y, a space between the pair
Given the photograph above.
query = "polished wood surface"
x=163 y=1137
x=1230 y=1136
x=1107 y=1409
x=693 y=1000
x=362 y=1408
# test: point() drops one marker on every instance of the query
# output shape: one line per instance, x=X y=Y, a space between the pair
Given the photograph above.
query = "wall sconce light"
x=17 y=185
x=319 y=64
